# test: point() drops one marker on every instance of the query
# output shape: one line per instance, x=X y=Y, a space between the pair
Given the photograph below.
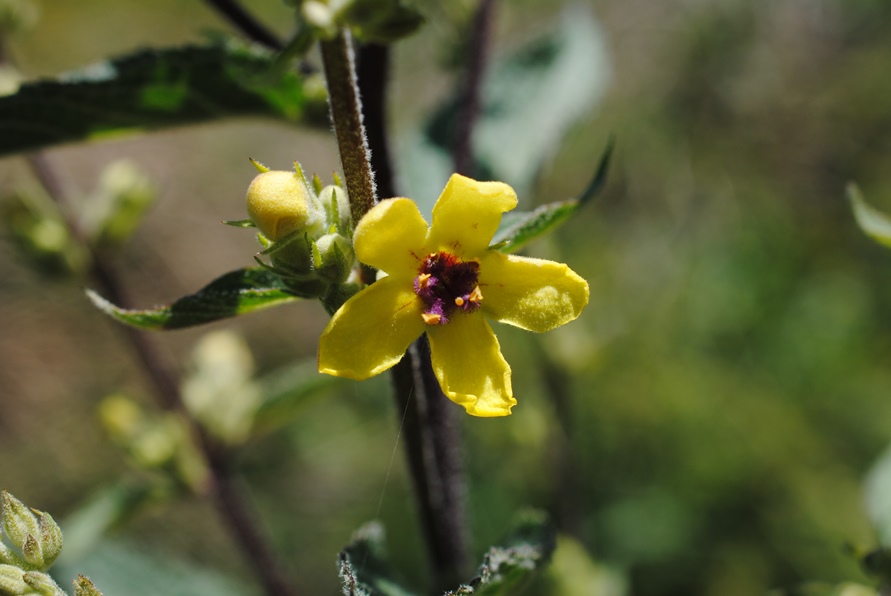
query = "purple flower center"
x=446 y=284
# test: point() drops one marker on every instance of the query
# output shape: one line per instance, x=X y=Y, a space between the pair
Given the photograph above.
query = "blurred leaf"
x=846 y=589
x=529 y=101
x=121 y=568
x=364 y=569
x=878 y=496
x=573 y=572
x=873 y=222
x=35 y=224
x=149 y=89
x=219 y=391
x=235 y=293
x=287 y=392
x=107 y=510
x=519 y=228
x=381 y=22
x=506 y=568
x=118 y=204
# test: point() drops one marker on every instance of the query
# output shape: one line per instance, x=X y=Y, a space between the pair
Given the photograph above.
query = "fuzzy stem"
x=346 y=114
x=233 y=507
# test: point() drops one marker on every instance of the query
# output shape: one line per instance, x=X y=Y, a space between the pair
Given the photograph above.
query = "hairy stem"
x=346 y=114
x=247 y=24
x=432 y=434
x=233 y=507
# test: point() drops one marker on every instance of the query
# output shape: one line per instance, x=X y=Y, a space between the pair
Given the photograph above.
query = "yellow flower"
x=446 y=282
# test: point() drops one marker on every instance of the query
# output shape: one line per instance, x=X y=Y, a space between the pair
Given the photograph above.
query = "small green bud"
x=12 y=581
x=50 y=539
x=280 y=203
x=42 y=584
x=337 y=204
x=84 y=587
x=32 y=552
x=335 y=255
x=18 y=522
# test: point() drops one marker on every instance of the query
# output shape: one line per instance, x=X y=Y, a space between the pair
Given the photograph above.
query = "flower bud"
x=33 y=538
x=18 y=521
x=280 y=203
x=84 y=587
x=335 y=258
x=42 y=584
x=12 y=581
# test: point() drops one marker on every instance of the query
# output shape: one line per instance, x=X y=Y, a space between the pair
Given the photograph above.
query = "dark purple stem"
x=432 y=437
x=246 y=23
x=471 y=95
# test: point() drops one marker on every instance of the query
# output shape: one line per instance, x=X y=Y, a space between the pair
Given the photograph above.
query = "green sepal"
x=150 y=89
x=235 y=293
x=50 y=538
x=239 y=223
x=19 y=524
x=874 y=223
x=519 y=228
x=521 y=554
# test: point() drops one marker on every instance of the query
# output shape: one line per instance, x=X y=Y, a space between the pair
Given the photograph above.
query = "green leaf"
x=530 y=100
x=873 y=222
x=878 y=497
x=236 y=293
x=363 y=566
x=518 y=228
x=108 y=509
x=149 y=89
x=507 y=567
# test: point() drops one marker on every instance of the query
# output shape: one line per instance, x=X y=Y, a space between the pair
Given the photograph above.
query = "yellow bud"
x=280 y=203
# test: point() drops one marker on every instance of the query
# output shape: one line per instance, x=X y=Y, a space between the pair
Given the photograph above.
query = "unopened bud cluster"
x=30 y=542
x=306 y=230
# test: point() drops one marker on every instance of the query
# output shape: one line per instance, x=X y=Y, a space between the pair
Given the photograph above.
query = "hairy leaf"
x=363 y=566
x=149 y=89
x=519 y=228
x=507 y=567
x=235 y=293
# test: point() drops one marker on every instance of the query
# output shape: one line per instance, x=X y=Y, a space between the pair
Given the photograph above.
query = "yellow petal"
x=467 y=361
x=391 y=237
x=532 y=294
x=467 y=214
x=371 y=332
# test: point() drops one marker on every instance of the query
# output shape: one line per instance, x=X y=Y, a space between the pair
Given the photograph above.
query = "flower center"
x=446 y=284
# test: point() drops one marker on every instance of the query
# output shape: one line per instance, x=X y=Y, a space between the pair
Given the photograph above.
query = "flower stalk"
x=346 y=114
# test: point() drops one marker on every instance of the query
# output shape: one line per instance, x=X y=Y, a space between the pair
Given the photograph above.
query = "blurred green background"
x=703 y=429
